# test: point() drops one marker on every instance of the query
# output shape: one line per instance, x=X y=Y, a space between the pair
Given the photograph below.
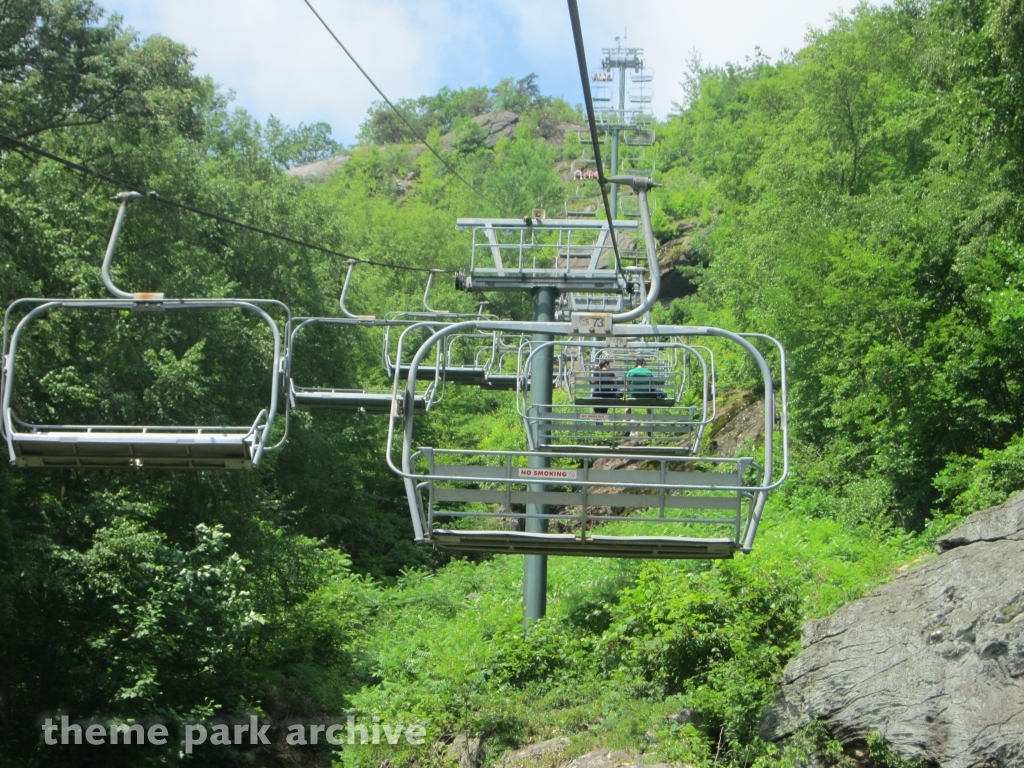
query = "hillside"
x=859 y=200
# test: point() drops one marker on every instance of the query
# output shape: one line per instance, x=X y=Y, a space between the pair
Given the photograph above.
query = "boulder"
x=933 y=661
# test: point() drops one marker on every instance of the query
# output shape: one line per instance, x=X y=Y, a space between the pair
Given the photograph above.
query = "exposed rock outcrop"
x=502 y=125
x=933 y=661
x=319 y=170
x=682 y=264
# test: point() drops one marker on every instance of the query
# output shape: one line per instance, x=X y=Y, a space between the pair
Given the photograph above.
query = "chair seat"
x=467 y=375
x=113 y=449
x=347 y=401
x=501 y=381
x=646 y=547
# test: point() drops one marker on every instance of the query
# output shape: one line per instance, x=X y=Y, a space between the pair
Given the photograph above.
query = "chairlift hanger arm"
x=123 y=198
x=344 y=292
x=641 y=185
x=426 y=294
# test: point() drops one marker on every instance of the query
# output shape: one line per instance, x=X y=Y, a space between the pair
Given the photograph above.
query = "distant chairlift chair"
x=607 y=409
x=130 y=447
x=342 y=400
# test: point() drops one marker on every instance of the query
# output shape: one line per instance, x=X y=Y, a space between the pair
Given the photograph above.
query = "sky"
x=278 y=60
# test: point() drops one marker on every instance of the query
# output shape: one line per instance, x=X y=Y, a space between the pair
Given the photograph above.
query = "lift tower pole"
x=620 y=59
x=582 y=257
x=535 y=573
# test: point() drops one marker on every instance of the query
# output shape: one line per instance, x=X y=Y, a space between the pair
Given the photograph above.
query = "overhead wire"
x=397 y=111
x=126 y=186
x=602 y=180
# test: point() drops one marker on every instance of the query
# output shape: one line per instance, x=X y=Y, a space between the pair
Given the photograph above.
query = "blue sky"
x=278 y=60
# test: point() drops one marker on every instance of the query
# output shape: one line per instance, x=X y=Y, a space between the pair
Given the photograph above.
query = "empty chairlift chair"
x=69 y=446
x=463 y=359
x=572 y=255
x=379 y=400
x=646 y=502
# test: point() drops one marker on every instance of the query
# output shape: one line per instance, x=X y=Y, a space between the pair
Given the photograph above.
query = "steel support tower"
x=619 y=60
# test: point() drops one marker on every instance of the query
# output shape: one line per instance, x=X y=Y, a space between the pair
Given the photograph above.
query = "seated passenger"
x=640 y=382
x=603 y=384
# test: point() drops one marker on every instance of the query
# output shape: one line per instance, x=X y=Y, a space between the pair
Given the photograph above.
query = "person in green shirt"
x=639 y=380
x=640 y=384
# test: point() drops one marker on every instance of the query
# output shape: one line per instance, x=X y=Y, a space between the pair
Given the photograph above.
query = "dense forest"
x=859 y=200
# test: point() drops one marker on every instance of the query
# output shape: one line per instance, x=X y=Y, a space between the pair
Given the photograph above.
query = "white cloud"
x=279 y=60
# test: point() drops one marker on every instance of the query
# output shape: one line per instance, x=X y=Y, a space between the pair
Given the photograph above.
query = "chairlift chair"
x=519 y=254
x=638 y=166
x=462 y=500
x=585 y=138
x=74 y=446
x=607 y=409
x=640 y=95
x=502 y=373
x=342 y=400
x=639 y=137
x=449 y=366
x=585 y=203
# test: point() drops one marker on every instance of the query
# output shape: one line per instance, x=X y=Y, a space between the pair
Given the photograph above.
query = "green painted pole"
x=535 y=573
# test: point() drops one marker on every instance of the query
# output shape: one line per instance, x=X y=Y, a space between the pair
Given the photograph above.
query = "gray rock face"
x=319 y=170
x=933 y=661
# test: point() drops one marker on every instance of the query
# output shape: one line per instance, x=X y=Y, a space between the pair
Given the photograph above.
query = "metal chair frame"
x=518 y=254
x=129 y=446
x=429 y=483
x=667 y=424
x=132 y=446
x=340 y=400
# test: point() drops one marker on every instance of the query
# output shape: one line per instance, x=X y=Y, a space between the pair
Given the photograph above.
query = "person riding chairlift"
x=604 y=381
x=640 y=384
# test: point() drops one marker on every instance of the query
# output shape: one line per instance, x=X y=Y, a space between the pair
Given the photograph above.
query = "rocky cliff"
x=933 y=661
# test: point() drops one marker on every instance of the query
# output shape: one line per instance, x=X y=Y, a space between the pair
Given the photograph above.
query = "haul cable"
x=123 y=185
x=398 y=112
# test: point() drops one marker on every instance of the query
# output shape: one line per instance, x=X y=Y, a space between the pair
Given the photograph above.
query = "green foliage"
x=873 y=163
x=857 y=199
x=811 y=746
x=299 y=146
x=968 y=484
x=450 y=110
